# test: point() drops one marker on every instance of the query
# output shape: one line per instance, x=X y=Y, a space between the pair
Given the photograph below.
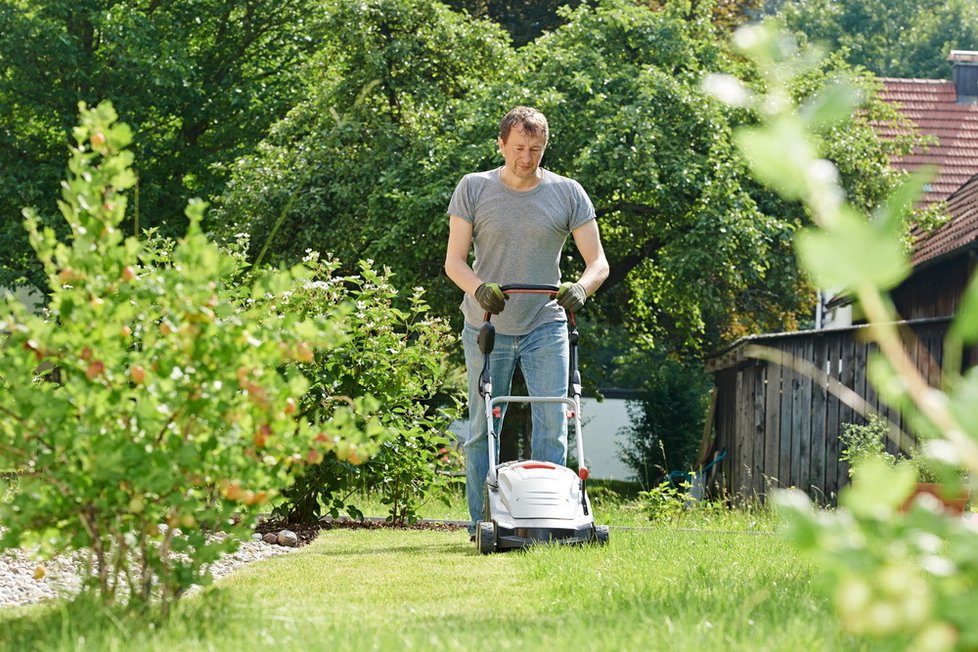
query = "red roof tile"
x=932 y=105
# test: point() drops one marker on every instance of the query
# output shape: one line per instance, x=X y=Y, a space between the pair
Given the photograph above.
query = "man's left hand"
x=571 y=296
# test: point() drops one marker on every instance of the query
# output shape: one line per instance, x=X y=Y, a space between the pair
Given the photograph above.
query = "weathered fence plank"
x=772 y=423
x=758 y=430
x=742 y=453
x=817 y=432
x=833 y=406
x=785 y=472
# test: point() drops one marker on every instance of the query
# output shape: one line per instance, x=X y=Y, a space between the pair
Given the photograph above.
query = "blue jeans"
x=544 y=358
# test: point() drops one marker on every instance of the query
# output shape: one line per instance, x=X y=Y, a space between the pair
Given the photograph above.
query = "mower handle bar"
x=499 y=400
x=530 y=288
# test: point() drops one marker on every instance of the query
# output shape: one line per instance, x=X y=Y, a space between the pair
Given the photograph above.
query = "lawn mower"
x=528 y=502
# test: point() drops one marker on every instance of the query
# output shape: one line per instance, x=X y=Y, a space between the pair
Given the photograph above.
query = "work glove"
x=571 y=296
x=491 y=298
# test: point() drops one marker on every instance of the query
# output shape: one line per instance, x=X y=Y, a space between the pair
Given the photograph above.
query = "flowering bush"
x=157 y=400
x=399 y=357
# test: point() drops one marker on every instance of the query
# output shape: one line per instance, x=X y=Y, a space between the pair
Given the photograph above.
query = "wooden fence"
x=778 y=425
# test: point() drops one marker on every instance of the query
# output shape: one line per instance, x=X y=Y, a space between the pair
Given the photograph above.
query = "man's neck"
x=520 y=184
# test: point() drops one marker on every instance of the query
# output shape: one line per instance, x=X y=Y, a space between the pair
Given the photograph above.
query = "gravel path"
x=25 y=581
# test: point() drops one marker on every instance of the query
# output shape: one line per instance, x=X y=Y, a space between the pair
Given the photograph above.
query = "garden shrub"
x=861 y=442
x=398 y=356
x=672 y=503
x=157 y=400
x=666 y=422
x=664 y=503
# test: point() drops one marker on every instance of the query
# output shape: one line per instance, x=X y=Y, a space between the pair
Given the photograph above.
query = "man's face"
x=522 y=153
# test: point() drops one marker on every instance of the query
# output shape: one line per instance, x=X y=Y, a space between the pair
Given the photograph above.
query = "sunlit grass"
x=652 y=589
x=710 y=577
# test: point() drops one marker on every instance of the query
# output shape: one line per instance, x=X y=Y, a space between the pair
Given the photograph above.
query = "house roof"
x=958 y=232
x=933 y=106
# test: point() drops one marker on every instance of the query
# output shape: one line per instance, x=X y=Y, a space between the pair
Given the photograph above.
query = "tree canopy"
x=343 y=127
x=699 y=253
x=199 y=81
x=523 y=20
x=897 y=38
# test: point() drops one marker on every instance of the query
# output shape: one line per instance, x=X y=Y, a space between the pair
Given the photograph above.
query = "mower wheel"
x=486 y=537
x=601 y=534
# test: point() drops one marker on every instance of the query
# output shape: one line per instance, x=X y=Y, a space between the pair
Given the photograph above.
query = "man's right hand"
x=491 y=298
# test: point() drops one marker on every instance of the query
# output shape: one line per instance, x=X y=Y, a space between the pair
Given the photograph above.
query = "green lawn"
x=648 y=589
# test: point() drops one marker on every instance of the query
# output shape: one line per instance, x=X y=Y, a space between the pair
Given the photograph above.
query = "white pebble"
x=62 y=574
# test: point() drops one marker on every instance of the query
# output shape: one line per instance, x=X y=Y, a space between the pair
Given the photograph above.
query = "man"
x=517 y=217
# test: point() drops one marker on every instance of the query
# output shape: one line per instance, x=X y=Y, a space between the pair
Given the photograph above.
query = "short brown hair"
x=531 y=121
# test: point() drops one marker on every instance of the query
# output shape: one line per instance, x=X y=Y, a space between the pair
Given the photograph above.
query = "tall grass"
x=620 y=504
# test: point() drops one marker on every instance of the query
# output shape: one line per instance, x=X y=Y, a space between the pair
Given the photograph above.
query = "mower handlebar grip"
x=529 y=288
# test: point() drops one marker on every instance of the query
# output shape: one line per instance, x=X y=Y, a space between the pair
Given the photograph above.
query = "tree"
x=198 y=80
x=902 y=38
x=365 y=166
x=699 y=253
x=723 y=13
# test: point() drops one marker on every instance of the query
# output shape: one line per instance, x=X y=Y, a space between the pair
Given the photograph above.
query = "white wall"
x=602 y=422
x=27 y=295
x=838 y=317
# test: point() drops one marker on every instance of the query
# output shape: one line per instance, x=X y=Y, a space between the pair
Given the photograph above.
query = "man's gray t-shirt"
x=518 y=238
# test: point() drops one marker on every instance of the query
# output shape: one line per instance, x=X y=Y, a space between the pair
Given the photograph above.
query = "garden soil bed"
x=307 y=532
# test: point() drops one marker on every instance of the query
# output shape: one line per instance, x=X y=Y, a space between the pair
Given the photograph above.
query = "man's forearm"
x=462 y=275
x=594 y=275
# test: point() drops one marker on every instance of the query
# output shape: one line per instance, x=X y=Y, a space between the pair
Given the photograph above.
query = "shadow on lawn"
x=84 y=623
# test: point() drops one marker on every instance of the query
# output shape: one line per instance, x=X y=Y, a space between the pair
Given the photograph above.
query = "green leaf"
x=964 y=328
x=123 y=180
x=853 y=253
x=830 y=106
x=120 y=136
x=878 y=488
x=891 y=216
x=779 y=155
x=888 y=383
x=963 y=401
x=799 y=516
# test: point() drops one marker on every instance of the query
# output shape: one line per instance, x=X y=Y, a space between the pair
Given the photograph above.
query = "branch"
x=829 y=383
x=930 y=401
x=621 y=267
x=13 y=415
x=173 y=417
